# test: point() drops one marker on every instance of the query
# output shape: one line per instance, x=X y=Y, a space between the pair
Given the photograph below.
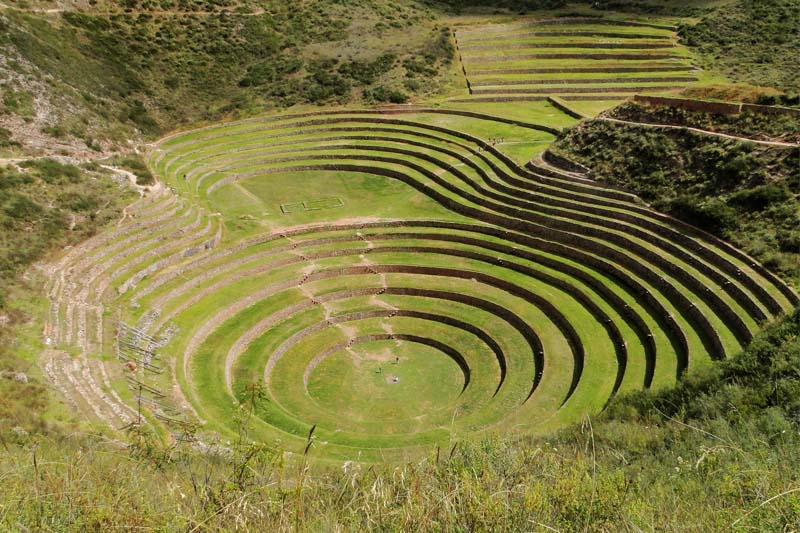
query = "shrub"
x=383 y=94
x=712 y=215
x=136 y=165
x=19 y=102
x=440 y=48
x=366 y=72
x=323 y=86
x=138 y=114
x=415 y=66
x=51 y=171
x=270 y=71
x=20 y=206
x=78 y=201
x=760 y=198
x=6 y=141
x=789 y=241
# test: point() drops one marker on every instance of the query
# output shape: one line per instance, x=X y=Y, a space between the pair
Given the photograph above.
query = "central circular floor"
x=386 y=380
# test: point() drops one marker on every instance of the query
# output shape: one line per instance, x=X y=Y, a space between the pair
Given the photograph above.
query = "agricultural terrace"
x=393 y=278
x=594 y=62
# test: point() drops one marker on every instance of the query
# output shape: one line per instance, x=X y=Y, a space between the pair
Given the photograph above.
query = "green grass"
x=534 y=112
x=488 y=457
x=691 y=457
x=361 y=386
x=568 y=63
x=278 y=335
x=364 y=196
x=568 y=77
x=506 y=44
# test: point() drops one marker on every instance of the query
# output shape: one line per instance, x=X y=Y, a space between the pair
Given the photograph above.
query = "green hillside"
x=751 y=41
x=743 y=192
x=134 y=71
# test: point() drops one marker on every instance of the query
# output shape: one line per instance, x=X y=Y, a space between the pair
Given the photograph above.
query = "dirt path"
x=252 y=197
x=5 y=161
x=701 y=131
x=155 y=13
x=141 y=189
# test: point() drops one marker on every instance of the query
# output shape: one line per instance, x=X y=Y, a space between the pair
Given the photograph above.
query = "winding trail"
x=779 y=144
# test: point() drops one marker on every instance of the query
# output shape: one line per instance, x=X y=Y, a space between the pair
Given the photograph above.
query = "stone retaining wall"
x=566 y=55
x=584 y=70
x=577 y=90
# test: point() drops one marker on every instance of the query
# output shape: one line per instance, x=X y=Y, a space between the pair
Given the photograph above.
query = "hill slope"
x=751 y=41
x=93 y=81
x=743 y=192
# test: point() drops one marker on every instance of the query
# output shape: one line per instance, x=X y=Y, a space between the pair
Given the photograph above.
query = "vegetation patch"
x=45 y=205
x=135 y=164
x=751 y=41
x=740 y=191
x=725 y=440
x=6 y=139
x=231 y=350
x=145 y=68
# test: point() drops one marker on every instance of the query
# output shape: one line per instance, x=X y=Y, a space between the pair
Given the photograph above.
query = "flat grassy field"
x=364 y=383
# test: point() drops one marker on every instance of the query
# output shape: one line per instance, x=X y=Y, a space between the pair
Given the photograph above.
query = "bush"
x=20 y=206
x=789 y=241
x=78 y=201
x=6 y=141
x=52 y=171
x=415 y=66
x=136 y=165
x=440 y=48
x=366 y=72
x=138 y=114
x=711 y=215
x=760 y=198
x=383 y=94
x=19 y=102
x=270 y=71
x=323 y=86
